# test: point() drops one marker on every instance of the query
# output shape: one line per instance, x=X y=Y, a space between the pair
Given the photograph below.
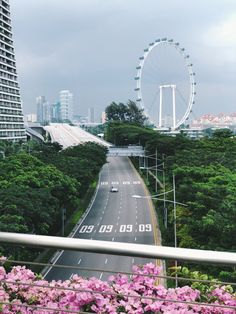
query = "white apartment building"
x=66 y=105
x=11 y=116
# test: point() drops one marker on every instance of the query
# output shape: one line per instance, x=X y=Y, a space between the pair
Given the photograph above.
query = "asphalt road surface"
x=114 y=216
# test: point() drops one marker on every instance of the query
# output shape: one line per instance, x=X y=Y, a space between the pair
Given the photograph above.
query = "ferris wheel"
x=165 y=83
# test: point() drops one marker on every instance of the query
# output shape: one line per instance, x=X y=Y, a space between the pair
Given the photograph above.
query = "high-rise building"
x=66 y=105
x=11 y=115
x=56 y=112
x=40 y=101
x=91 y=115
x=43 y=110
x=31 y=117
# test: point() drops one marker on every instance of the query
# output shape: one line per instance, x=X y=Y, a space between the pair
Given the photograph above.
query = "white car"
x=112 y=189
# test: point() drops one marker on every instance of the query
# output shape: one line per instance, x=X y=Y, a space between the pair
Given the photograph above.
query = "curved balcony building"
x=11 y=115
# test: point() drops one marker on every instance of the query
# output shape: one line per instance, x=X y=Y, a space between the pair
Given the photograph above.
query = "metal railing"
x=119 y=248
x=115 y=248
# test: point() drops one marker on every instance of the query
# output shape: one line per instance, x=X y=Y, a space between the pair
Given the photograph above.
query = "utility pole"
x=63 y=221
x=175 y=230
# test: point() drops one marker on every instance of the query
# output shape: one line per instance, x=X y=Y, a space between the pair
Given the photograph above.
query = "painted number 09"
x=86 y=229
x=126 y=228
x=145 y=228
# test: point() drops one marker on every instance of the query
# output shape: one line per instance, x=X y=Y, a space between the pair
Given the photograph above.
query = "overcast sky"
x=92 y=47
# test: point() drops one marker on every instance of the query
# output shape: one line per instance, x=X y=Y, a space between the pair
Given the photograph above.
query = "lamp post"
x=154 y=168
x=63 y=221
x=3 y=154
x=156 y=197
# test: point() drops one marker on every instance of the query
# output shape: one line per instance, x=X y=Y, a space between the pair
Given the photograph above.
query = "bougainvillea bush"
x=136 y=294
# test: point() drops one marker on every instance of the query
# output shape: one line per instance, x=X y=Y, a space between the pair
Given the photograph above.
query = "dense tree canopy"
x=34 y=188
x=205 y=172
x=125 y=113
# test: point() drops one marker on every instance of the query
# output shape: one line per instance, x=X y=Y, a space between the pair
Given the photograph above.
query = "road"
x=113 y=217
x=68 y=135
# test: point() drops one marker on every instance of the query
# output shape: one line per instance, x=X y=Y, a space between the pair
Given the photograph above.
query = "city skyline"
x=93 y=50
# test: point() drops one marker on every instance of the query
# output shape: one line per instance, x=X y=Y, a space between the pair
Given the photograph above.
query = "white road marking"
x=135 y=239
x=133 y=261
x=106 y=261
x=71 y=276
x=101 y=276
x=79 y=261
x=113 y=239
x=126 y=182
x=104 y=183
x=114 y=182
x=136 y=182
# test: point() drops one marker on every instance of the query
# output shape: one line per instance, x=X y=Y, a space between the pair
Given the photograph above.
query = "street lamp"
x=156 y=197
x=63 y=221
x=3 y=154
x=155 y=168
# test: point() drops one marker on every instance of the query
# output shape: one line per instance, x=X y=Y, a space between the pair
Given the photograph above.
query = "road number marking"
x=126 y=182
x=86 y=229
x=126 y=228
x=121 y=228
x=145 y=228
x=105 y=228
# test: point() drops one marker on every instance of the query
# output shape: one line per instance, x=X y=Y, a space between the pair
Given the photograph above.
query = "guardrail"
x=114 y=248
x=119 y=248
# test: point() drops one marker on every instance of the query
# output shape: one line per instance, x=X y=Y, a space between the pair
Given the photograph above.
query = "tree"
x=222 y=133
x=129 y=113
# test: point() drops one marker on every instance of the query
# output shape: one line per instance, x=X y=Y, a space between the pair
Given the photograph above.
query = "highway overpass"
x=68 y=135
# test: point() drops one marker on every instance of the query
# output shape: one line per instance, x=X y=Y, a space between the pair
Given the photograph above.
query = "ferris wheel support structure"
x=191 y=74
x=173 y=87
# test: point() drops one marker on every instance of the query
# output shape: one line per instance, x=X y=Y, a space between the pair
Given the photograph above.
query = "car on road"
x=113 y=189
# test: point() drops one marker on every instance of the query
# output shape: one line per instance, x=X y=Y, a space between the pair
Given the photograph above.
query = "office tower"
x=66 y=105
x=11 y=115
x=91 y=115
x=43 y=110
x=31 y=117
x=56 y=112
x=40 y=101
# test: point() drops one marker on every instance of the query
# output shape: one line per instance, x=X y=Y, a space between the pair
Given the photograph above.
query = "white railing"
x=119 y=248
x=113 y=248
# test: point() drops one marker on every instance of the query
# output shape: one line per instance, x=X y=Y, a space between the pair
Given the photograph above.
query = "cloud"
x=93 y=46
x=223 y=37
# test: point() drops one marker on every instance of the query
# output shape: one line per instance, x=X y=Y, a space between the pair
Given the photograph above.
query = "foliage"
x=35 y=188
x=122 y=134
x=82 y=162
x=205 y=173
x=129 y=113
x=138 y=293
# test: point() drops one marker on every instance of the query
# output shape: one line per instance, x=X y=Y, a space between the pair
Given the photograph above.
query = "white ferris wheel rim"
x=189 y=67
